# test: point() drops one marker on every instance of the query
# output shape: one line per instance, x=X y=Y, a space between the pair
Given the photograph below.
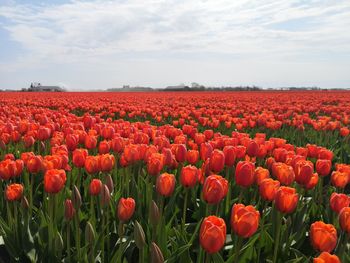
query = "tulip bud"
x=139 y=235
x=76 y=198
x=89 y=233
x=156 y=254
x=69 y=210
x=24 y=203
x=154 y=215
x=109 y=183
x=105 y=195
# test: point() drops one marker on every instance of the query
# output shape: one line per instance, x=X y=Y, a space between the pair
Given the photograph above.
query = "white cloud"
x=114 y=33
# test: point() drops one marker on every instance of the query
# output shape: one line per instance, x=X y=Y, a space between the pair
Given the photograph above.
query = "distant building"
x=37 y=87
x=178 y=87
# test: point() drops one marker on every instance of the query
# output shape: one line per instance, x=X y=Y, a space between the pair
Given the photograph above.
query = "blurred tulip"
x=284 y=173
x=126 y=209
x=323 y=167
x=212 y=235
x=261 y=174
x=339 y=179
x=244 y=220
x=14 y=192
x=325 y=257
x=189 y=176
x=214 y=189
x=245 y=173
x=268 y=188
x=344 y=219
x=107 y=162
x=339 y=201
x=165 y=184
x=95 y=187
x=54 y=180
x=192 y=156
x=69 y=210
x=323 y=236
x=217 y=161
x=79 y=157
x=286 y=199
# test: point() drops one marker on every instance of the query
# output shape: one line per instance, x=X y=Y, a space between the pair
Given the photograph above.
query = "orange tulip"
x=95 y=187
x=217 y=161
x=323 y=236
x=126 y=209
x=79 y=157
x=244 y=220
x=268 y=188
x=14 y=192
x=189 y=176
x=284 y=173
x=104 y=147
x=323 y=167
x=325 y=257
x=303 y=171
x=10 y=168
x=35 y=164
x=180 y=153
x=339 y=179
x=192 y=156
x=313 y=181
x=214 y=189
x=155 y=164
x=230 y=155
x=205 y=151
x=106 y=162
x=212 y=234
x=54 y=180
x=286 y=199
x=261 y=174
x=339 y=201
x=90 y=142
x=344 y=219
x=252 y=148
x=165 y=184
x=245 y=173
x=92 y=164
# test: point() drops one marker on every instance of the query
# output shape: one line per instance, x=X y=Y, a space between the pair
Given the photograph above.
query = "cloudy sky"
x=103 y=44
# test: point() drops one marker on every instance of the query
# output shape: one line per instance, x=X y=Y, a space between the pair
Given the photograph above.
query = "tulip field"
x=175 y=177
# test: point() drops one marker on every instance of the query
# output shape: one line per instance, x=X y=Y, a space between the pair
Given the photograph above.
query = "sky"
x=86 y=45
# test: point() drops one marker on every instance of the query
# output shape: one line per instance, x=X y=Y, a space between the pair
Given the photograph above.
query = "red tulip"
x=54 y=180
x=344 y=219
x=217 y=161
x=286 y=199
x=268 y=188
x=214 y=189
x=126 y=209
x=79 y=157
x=95 y=187
x=325 y=257
x=14 y=192
x=323 y=236
x=245 y=173
x=212 y=234
x=189 y=176
x=339 y=201
x=323 y=167
x=244 y=220
x=165 y=184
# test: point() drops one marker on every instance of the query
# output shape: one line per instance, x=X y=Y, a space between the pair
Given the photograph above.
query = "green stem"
x=141 y=256
x=261 y=230
x=68 y=242
x=51 y=223
x=277 y=239
x=238 y=249
x=77 y=235
x=184 y=209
